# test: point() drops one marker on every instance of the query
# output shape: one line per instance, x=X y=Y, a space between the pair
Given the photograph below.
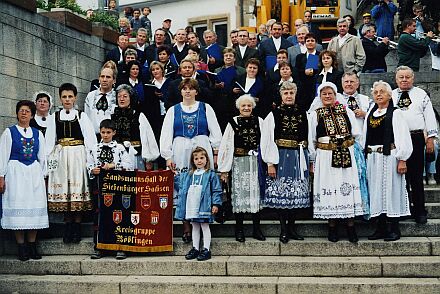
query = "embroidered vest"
x=25 y=150
x=192 y=124
x=246 y=133
x=127 y=126
x=290 y=123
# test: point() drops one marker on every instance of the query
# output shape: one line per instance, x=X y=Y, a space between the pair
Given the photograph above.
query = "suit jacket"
x=114 y=55
x=267 y=48
x=248 y=53
x=294 y=51
x=314 y=28
x=335 y=77
x=306 y=84
x=375 y=55
x=150 y=53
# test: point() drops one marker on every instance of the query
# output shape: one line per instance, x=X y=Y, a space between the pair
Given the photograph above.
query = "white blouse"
x=226 y=150
x=167 y=133
x=6 y=145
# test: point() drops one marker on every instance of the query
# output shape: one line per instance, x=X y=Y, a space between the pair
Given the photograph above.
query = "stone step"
x=407 y=246
x=271 y=228
x=248 y=266
x=214 y=284
x=432 y=194
x=433 y=210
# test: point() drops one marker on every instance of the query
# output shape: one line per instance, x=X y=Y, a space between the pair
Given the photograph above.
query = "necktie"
x=404 y=101
x=352 y=103
x=102 y=103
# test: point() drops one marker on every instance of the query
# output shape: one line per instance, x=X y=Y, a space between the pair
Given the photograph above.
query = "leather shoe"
x=97 y=254
x=120 y=255
x=284 y=238
x=378 y=234
x=258 y=234
x=192 y=254
x=421 y=219
x=186 y=238
x=392 y=236
x=205 y=254
x=332 y=234
x=239 y=236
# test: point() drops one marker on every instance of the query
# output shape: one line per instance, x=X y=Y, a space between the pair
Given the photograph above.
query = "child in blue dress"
x=200 y=196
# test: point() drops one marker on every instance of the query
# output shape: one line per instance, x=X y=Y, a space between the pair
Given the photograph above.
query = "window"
x=221 y=29
x=199 y=29
x=322 y=3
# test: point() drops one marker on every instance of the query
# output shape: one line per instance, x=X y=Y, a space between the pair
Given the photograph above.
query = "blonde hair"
x=202 y=150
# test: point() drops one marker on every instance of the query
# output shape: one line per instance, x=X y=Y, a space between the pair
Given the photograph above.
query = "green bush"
x=105 y=18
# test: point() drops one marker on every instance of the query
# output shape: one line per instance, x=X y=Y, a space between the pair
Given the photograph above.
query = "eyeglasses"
x=24 y=111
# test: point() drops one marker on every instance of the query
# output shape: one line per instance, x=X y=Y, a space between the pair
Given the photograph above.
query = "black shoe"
x=333 y=234
x=421 y=219
x=23 y=252
x=205 y=254
x=186 y=238
x=258 y=234
x=378 y=234
x=351 y=233
x=192 y=254
x=67 y=237
x=97 y=254
x=120 y=255
x=284 y=238
x=295 y=236
x=76 y=233
x=393 y=232
x=239 y=236
x=33 y=253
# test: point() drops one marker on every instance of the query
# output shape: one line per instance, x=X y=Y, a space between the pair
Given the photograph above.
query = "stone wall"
x=37 y=53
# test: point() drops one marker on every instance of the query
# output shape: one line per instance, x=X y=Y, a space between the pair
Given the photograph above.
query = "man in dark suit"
x=270 y=47
x=375 y=53
x=151 y=51
x=193 y=40
x=180 y=48
x=299 y=48
x=117 y=54
x=186 y=70
x=313 y=27
x=243 y=52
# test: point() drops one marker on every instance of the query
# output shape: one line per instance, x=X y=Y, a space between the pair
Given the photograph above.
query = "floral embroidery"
x=28 y=147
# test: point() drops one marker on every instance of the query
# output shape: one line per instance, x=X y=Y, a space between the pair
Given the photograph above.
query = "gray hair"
x=243 y=98
x=404 y=67
x=385 y=85
x=127 y=88
x=303 y=27
x=142 y=30
x=341 y=20
x=130 y=51
x=288 y=86
x=209 y=31
x=350 y=74
x=367 y=28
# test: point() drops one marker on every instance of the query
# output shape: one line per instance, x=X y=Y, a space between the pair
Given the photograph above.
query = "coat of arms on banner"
x=163 y=202
x=135 y=218
x=154 y=217
x=117 y=216
x=145 y=202
x=126 y=201
x=108 y=199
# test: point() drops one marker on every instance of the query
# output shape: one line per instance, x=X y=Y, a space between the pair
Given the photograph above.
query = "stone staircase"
x=315 y=265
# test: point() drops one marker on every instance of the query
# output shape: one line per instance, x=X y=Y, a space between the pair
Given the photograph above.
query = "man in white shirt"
x=349 y=50
x=419 y=115
x=100 y=103
x=243 y=52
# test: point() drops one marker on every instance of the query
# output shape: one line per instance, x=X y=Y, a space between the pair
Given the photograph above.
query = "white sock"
x=206 y=235
x=196 y=235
